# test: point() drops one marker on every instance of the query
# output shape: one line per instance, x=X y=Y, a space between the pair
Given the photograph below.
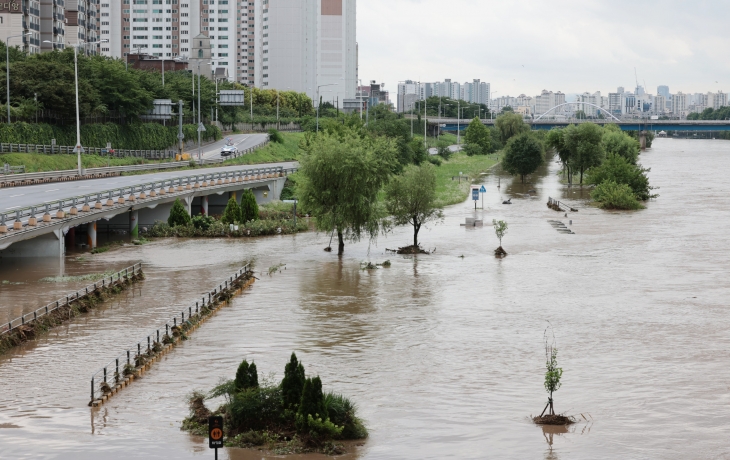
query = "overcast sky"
x=524 y=46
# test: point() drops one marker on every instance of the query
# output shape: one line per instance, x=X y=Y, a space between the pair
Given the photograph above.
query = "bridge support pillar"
x=642 y=139
x=204 y=205
x=188 y=203
x=134 y=223
x=91 y=234
x=49 y=245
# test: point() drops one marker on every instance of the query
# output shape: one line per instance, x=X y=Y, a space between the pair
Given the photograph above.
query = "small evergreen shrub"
x=246 y=377
x=292 y=384
x=249 y=207
x=311 y=405
x=202 y=222
x=178 y=215
x=232 y=213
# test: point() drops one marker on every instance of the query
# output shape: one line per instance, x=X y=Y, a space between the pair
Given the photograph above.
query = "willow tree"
x=341 y=176
x=411 y=198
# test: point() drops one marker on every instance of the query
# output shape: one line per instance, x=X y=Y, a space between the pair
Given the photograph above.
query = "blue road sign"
x=483 y=190
x=475 y=194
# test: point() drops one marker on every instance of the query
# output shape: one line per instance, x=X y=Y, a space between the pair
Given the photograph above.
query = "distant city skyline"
x=570 y=46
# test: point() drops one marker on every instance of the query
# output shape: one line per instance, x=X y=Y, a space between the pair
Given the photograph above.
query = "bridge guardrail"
x=128 y=194
x=111 y=375
x=53 y=306
x=66 y=149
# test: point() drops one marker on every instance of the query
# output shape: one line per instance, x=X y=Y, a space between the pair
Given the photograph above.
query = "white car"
x=228 y=150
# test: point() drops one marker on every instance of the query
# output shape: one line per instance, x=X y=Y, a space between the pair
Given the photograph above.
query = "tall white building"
x=548 y=100
x=303 y=45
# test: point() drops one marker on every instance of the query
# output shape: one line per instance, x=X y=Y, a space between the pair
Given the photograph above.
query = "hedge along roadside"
x=19 y=330
x=136 y=136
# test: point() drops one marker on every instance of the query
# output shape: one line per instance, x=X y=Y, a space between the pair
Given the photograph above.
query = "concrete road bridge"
x=451 y=124
x=35 y=220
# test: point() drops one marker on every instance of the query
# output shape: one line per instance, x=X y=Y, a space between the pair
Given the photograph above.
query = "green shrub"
x=434 y=160
x=443 y=150
x=256 y=409
x=249 y=207
x=292 y=384
x=618 y=169
x=232 y=213
x=178 y=215
x=202 y=222
x=275 y=136
x=341 y=412
x=246 y=377
x=611 y=195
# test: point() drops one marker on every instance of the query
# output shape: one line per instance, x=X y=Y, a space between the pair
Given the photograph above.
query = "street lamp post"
x=78 y=149
x=7 y=68
x=318 y=87
x=458 y=122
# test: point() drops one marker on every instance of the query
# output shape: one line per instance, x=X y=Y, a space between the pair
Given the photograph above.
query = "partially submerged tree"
x=411 y=198
x=500 y=229
x=178 y=214
x=553 y=373
x=523 y=155
x=340 y=177
x=584 y=143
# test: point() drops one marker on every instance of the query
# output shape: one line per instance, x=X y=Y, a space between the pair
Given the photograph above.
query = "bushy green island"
x=287 y=417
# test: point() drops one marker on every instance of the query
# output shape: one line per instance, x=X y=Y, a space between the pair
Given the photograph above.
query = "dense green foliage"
x=246 y=376
x=411 y=197
x=249 y=207
x=35 y=162
x=340 y=177
x=722 y=113
x=449 y=108
x=500 y=229
x=275 y=136
x=617 y=169
x=312 y=404
x=523 y=155
x=509 y=125
x=585 y=147
x=106 y=87
x=136 y=136
x=616 y=142
x=202 y=222
x=178 y=215
x=232 y=213
x=477 y=137
x=611 y=195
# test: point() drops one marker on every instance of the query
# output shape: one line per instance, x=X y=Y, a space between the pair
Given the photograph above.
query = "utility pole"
x=200 y=153
x=180 y=135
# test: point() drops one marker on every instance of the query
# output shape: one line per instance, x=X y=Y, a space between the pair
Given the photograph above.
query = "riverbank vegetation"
x=606 y=158
x=290 y=416
x=237 y=221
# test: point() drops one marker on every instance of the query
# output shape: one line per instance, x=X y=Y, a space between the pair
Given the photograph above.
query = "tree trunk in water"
x=416 y=228
x=581 y=176
x=341 y=243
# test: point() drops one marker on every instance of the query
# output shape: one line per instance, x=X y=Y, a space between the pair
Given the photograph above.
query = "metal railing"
x=111 y=374
x=28 y=318
x=65 y=149
x=119 y=196
x=559 y=205
x=7 y=169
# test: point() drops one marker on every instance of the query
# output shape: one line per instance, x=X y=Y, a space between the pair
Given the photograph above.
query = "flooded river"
x=442 y=353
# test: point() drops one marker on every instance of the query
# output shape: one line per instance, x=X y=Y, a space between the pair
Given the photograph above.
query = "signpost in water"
x=215 y=433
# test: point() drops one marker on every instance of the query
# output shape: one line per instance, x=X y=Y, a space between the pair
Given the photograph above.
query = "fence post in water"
x=174 y=322
x=104 y=374
x=196 y=308
x=149 y=349
x=183 y=318
x=167 y=329
x=116 y=374
x=128 y=363
x=92 y=388
x=139 y=349
x=158 y=336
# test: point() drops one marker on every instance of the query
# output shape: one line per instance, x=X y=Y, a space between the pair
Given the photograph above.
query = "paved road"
x=241 y=141
x=15 y=198
x=452 y=148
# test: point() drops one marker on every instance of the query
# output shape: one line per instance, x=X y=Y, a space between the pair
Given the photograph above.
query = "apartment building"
x=546 y=100
x=679 y=104
x=21 y=18
x=306 y=46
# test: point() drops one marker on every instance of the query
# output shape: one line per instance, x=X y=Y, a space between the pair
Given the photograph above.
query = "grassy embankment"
x=451 y=191
x=36 y=162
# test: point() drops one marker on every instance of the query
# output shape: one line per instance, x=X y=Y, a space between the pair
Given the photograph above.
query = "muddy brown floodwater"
x=443 y=354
